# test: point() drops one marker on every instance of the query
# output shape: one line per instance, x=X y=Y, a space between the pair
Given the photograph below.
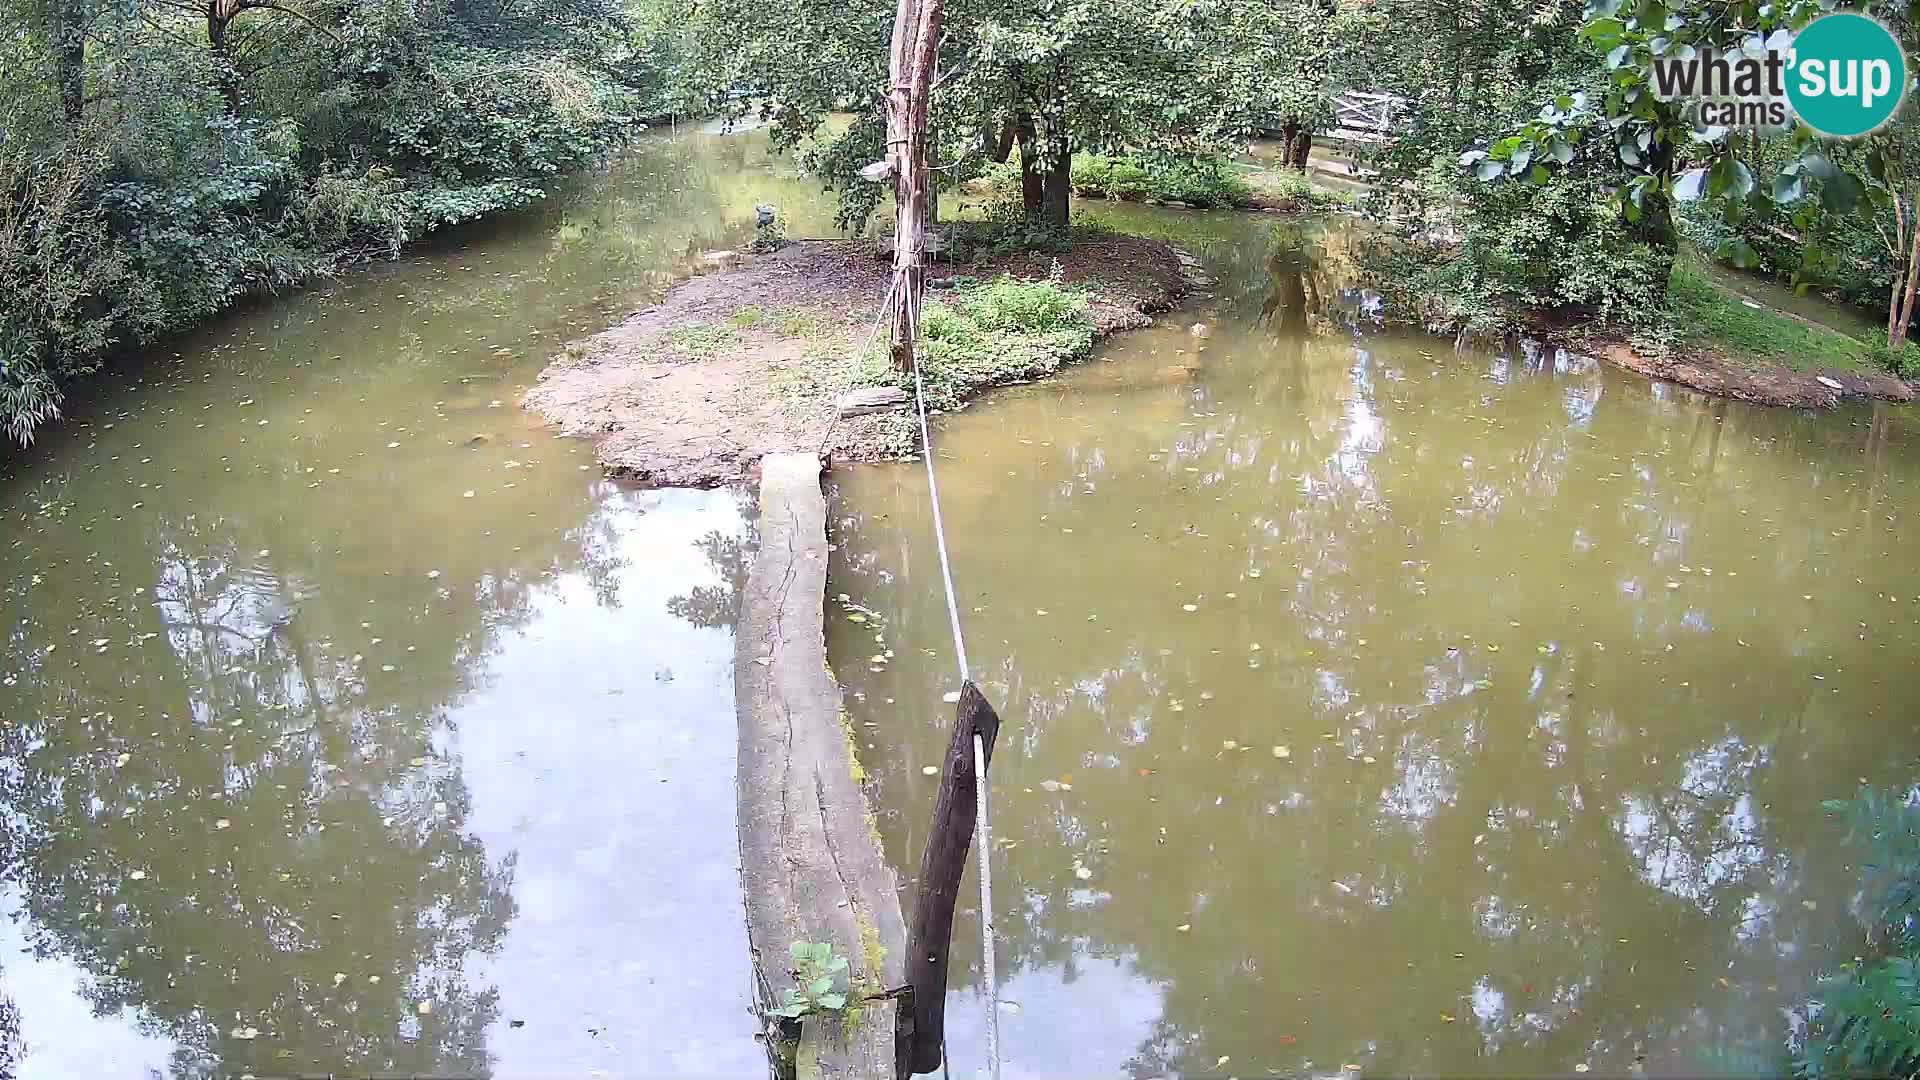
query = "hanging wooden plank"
x=955 y=809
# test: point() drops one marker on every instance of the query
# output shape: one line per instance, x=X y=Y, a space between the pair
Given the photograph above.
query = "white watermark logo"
x=1843 y=75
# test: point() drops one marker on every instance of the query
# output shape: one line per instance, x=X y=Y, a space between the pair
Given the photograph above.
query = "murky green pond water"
x=350 y=722
x=1367 y=704
x=1371 y=706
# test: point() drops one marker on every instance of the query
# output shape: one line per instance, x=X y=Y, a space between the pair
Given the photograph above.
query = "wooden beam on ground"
x=811 y=864
x=955 y=810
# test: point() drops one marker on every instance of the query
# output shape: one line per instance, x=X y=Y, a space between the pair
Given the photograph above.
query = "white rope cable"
x=984 y=839
x=983 y=831
x=886 y=305
x=939 y=528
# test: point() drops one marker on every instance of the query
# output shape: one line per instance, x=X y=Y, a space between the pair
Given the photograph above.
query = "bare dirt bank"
x=752 y=359
x=1757 y=382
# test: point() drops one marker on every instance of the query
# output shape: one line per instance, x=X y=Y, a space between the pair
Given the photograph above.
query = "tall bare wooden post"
x=955 y=810
x=916 y=38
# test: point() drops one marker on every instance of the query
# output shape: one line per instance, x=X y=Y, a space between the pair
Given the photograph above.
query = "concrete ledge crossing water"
x=811 y=863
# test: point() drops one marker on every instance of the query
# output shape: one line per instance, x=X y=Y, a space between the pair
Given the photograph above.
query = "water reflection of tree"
x=1626 y=859
x=223 y=800
x=1296 y=291
x=716 y=606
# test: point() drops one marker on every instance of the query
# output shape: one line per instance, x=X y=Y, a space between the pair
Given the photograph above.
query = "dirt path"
x=752 y=360
x=1758 y=382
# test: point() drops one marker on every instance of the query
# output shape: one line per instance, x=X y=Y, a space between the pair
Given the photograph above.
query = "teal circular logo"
x=1846 y=75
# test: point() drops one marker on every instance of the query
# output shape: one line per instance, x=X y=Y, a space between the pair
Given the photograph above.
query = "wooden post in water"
x=922 y=1028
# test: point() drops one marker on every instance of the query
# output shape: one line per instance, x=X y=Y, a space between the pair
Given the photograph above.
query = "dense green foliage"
x=161 y=160
x=1035 y=84
x=1558 y=253
x=1866 y=1018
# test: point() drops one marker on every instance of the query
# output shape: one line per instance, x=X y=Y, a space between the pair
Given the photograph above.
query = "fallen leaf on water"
x=930 y=770
x=950 y=696
x=121 y=761
x=1447 y=1018
x=1288 y=1040
x=138 y=875
x=1282 y=752
x=339 y=977
x=1146 y=772
x=1082 y=873
x=1223 y=1060
x=1368 y=759
x=1230 y=744
x=1190 y=607
x=1050 y=785
x=1810 y=905
x=1582 y=1067
x=856 y=617
x=245 y=1033
x=1039 y=611
x=425 y=1007
x=1184 y=927
x=221 y=823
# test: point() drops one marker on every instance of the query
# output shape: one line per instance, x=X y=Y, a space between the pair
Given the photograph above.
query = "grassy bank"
x=1204 y=183
x=1705 y=315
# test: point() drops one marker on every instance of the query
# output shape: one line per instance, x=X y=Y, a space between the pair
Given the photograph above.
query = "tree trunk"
x=1655 y=227
x=1032 y=180
x=1289 y=131
x=1057 y=193
x=219 y=18
x=1302 y=147
x=1001 y=146
x=1897 y=337
x=907 y=104
x=1899 y=245
x=68 y=35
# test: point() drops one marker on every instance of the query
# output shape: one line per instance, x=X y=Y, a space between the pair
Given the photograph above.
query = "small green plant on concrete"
x=823 y=982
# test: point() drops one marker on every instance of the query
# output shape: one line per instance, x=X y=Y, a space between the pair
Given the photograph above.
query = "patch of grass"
x=795 y=322
x=1704 y=313
x=983 y=336
x=1293 y=191
x=701 y=341
x=824 y=368
x=1904 y=361
x=748 y=316
x=1203 y=182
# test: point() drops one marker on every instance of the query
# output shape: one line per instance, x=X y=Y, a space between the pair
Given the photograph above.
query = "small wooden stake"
x=917 y=1043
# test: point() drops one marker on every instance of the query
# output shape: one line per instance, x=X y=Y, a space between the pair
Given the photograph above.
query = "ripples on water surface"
x=1367 y=704
x=350 y=722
